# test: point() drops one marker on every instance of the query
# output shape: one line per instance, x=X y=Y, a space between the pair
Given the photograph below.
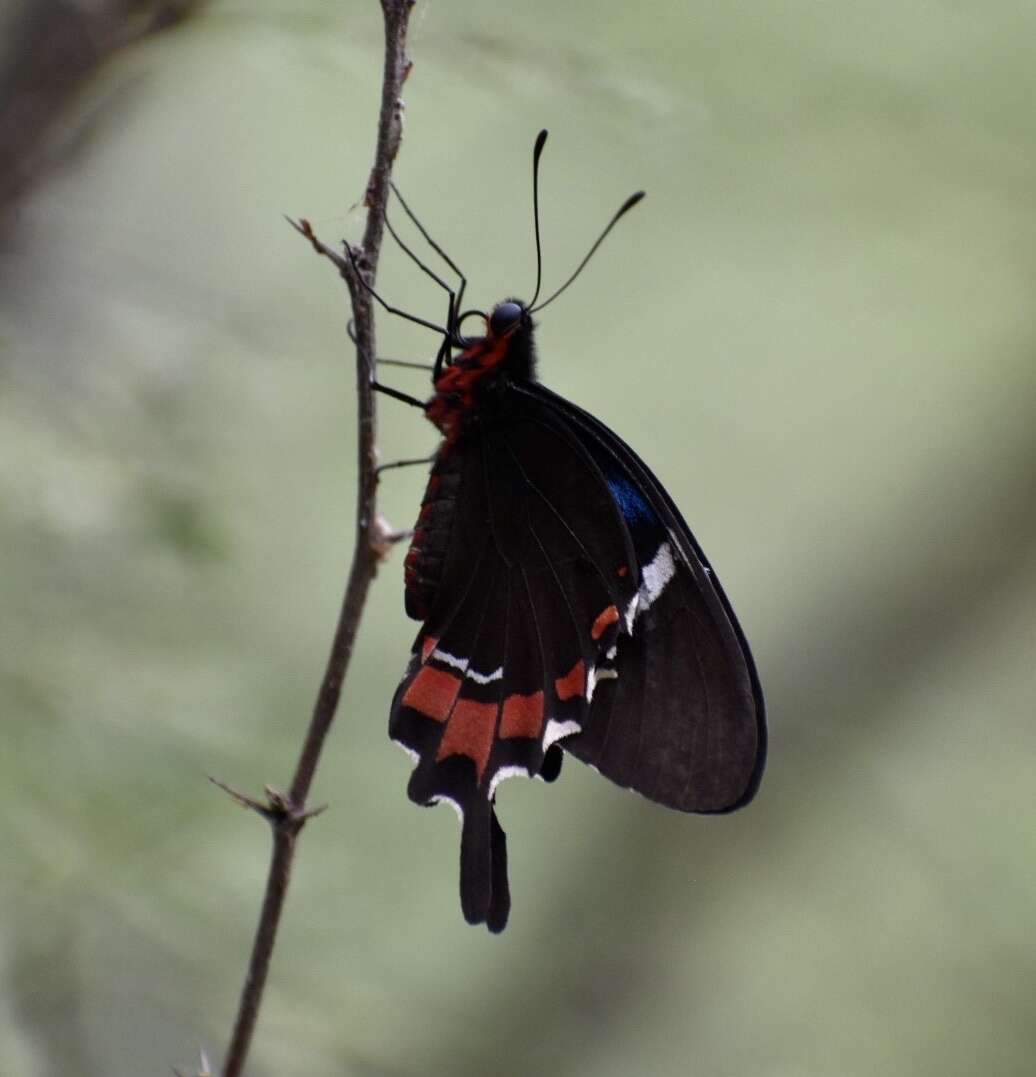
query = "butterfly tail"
x=485 y=894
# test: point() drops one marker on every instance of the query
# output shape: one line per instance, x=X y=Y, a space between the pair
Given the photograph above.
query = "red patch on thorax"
x=457 y=385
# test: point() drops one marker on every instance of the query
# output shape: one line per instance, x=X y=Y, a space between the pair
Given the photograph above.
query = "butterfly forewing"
x=683 y=723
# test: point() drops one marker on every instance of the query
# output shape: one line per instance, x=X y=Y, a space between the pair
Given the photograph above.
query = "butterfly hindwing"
x=523 y=615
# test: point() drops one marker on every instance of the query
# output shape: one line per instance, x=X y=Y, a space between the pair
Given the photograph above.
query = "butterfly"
x=565 y=607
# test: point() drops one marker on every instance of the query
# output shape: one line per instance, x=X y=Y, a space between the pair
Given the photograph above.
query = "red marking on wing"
x=470 y=732
x=573 y=682
x=623 y=570
x=605 y=619
x=522 y=716
x=432 y=692
x=428 y=644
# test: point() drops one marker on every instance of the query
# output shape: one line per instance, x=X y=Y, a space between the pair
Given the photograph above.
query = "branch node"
x=278 y=809
x=384 y=536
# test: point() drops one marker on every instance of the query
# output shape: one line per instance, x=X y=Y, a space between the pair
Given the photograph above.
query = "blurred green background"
x=818 y=330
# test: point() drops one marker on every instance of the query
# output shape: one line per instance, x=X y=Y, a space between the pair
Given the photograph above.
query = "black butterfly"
x=565 y=605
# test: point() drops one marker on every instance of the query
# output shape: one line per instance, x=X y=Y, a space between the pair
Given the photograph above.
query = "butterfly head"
x=509 y=317
x=509 y=334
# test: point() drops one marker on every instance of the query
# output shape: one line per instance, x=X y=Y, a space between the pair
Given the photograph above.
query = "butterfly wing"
x=565 y=602
x=683 y=722
x=520 y=582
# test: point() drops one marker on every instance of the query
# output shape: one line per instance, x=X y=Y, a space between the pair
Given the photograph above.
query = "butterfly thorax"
x=468 y=388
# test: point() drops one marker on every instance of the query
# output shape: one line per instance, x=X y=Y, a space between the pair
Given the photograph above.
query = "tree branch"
x=287 y=813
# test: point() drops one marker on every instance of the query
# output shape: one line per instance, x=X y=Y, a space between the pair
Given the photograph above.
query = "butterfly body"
x=565 y=604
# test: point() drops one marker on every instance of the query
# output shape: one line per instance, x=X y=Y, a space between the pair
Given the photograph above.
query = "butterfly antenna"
x=537 y=152
x=621 y=212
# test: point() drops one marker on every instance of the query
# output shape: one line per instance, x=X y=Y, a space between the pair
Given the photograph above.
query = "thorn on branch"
x=278 y=808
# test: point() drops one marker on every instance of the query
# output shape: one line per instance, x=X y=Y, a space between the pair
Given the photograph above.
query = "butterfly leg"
x=451 y=338
x=409 y=364
x=406 y=398
x=405 y=463
x=456 y=298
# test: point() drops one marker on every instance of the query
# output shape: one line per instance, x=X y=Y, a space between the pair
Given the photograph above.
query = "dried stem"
x=287 y=812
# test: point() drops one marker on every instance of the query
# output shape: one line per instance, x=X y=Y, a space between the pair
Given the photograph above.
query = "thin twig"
x=287 y=812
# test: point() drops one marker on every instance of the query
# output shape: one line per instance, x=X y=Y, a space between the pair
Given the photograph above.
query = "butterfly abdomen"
x=422 y=569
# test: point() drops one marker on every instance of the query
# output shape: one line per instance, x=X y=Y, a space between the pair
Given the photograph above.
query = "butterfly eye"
x=505 y=317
